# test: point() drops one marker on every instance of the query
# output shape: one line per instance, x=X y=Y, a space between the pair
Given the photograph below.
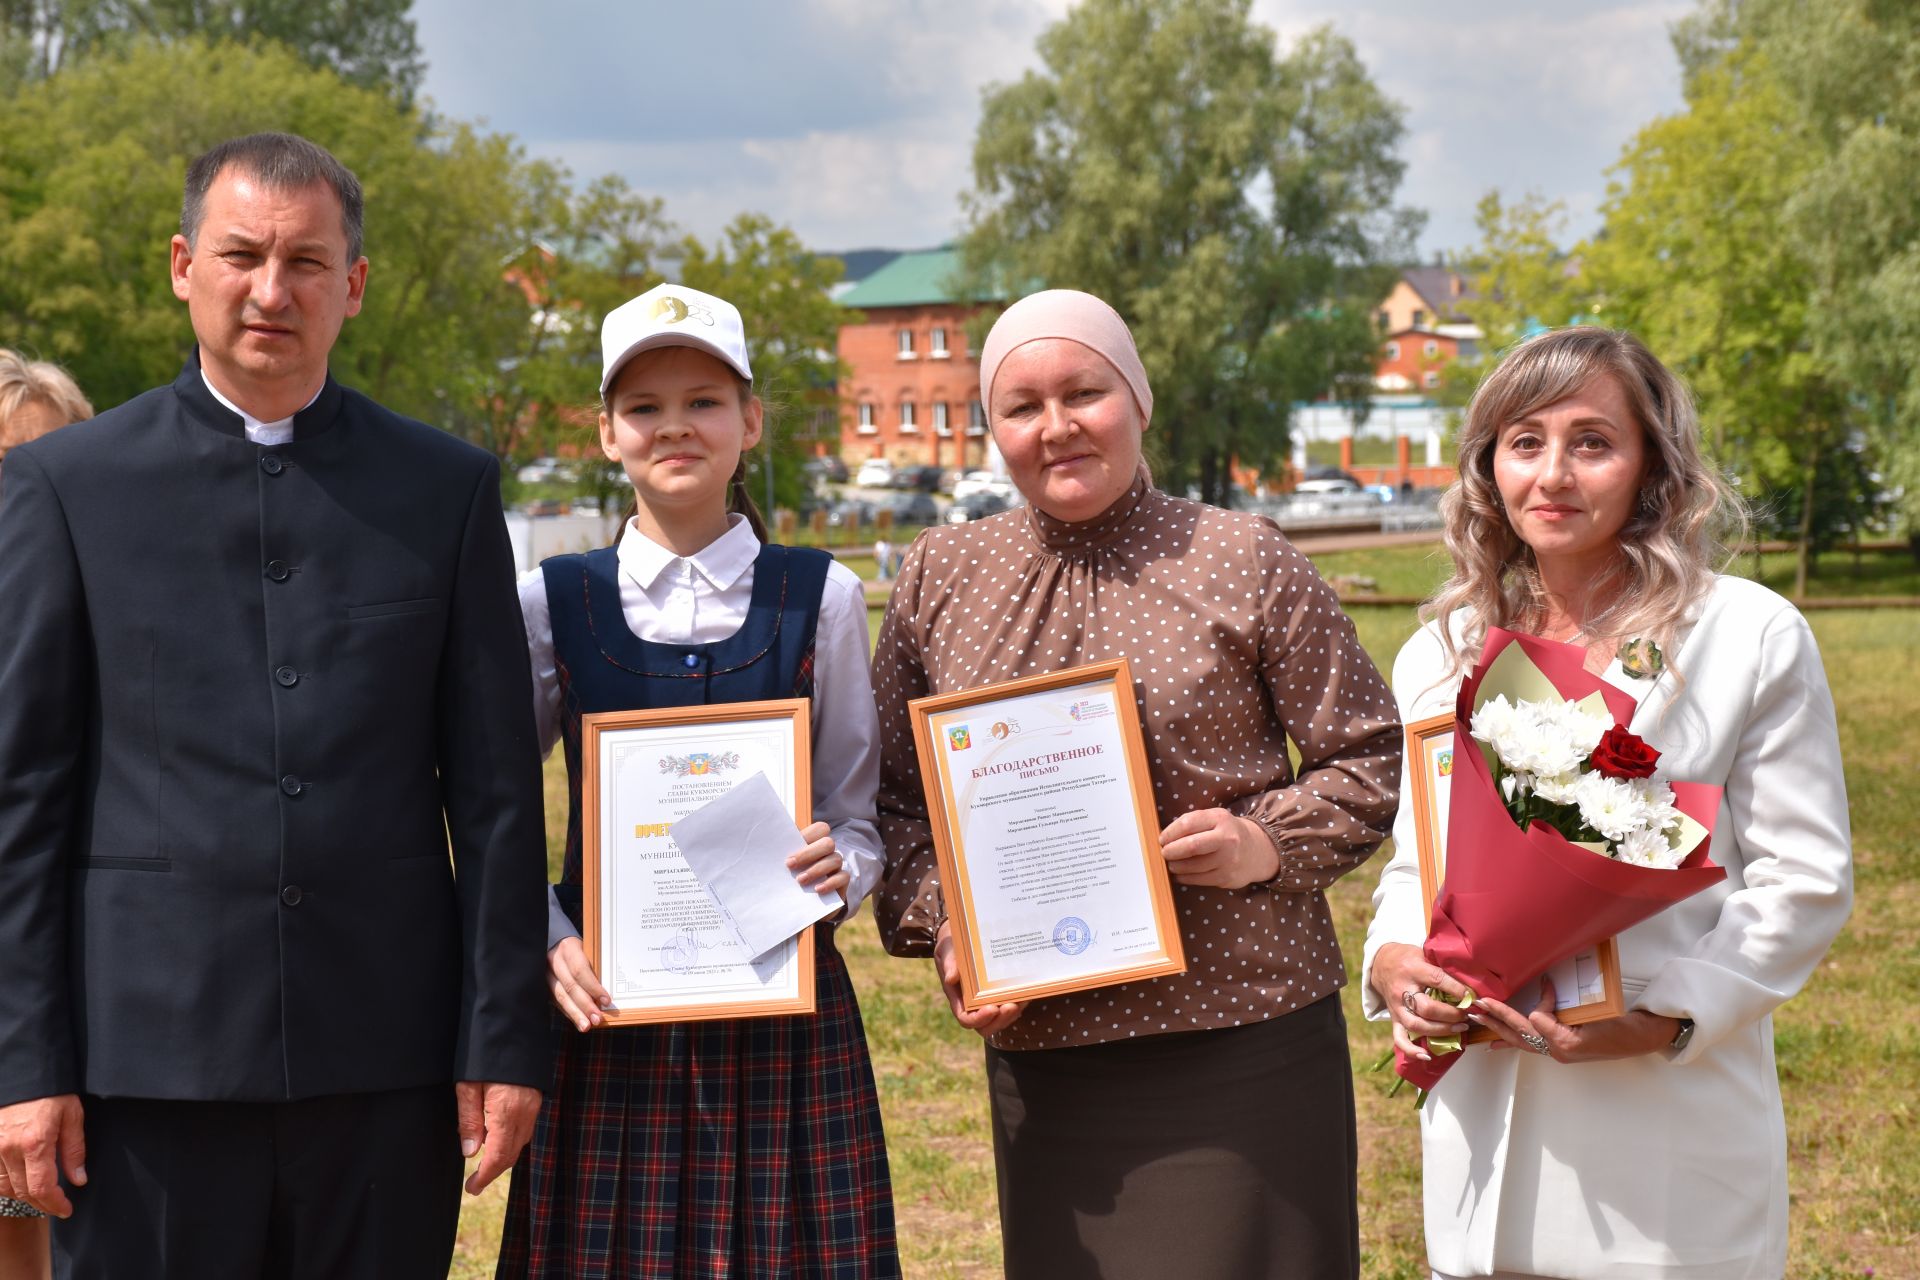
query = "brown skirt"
x=1227 y=1153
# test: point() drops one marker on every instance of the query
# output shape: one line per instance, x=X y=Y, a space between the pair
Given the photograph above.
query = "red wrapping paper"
x=1514 y=903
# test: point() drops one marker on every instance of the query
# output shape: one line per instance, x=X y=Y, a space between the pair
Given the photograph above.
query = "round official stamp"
x=1071 y=936
x=681 y=953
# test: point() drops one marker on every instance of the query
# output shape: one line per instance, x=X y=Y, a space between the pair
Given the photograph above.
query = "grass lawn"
x=1417 y=570
x=1848 y=1046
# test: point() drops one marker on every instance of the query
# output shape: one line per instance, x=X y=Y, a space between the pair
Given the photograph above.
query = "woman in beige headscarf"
x=1199 y=1125
x=35 y=398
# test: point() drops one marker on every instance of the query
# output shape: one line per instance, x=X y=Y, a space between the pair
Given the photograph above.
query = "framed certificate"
x=657 y=941
x=1587 y=986
x=1044 y=826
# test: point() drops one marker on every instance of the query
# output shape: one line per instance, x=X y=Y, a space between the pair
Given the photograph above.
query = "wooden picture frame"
x=1596 y=986
x=1086 y=720
x=776 y=736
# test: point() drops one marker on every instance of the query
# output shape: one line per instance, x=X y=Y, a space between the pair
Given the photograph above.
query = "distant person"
x=35 y=398
x=733 y=1147
x=260 y=666
x=1651 y=1144
x=1198 y=1126
x=882 y=559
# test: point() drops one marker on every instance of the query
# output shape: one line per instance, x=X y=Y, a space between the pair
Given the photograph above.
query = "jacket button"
x=291 y=895
x=271 y=464
x=278 y=570
x=292 y=785
x=287 y=677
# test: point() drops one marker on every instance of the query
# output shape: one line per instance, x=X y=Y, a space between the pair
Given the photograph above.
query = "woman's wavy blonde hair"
x=1670 y=548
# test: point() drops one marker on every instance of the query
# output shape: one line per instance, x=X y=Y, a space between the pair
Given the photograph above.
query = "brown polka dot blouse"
x=1236 y=644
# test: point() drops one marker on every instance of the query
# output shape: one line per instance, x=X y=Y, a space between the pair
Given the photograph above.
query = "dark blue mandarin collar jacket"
x=251 y=699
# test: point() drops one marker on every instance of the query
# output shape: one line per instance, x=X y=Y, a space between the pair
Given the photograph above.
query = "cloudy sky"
x=852 y=120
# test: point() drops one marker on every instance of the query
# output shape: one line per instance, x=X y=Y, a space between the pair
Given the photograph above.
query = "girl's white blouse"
x=1669 y=1164
x=702 y=598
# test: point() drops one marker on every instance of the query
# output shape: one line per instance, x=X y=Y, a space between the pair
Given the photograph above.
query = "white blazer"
x=1668 y=1165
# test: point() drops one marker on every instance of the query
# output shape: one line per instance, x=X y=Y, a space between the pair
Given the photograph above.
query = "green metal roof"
x=911 y=279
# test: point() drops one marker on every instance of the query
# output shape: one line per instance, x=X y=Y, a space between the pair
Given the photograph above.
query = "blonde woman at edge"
x=35 y=398
x=1652 y=1144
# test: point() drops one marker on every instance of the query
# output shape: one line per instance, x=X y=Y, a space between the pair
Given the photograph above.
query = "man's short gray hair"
x=282 y=162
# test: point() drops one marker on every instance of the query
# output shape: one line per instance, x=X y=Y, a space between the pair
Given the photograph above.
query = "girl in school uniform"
x=734 y=1148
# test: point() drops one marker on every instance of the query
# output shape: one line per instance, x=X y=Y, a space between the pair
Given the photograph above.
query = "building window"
x=1432 y=348
x=1386 y=318
x=1430 y=379
x=1393 y=351
x=940 y=418
x=937 y=344
x=906 y=416
x=906 y=344
x=866 y=426
x=976 y=418
x=1419 y=318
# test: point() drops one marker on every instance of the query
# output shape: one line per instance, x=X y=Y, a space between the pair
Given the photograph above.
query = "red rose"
x=1622 y=755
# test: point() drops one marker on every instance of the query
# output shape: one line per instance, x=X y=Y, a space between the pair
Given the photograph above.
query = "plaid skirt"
x=743 y=1148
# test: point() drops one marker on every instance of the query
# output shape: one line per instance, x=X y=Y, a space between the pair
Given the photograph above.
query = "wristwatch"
x=1682 y=1036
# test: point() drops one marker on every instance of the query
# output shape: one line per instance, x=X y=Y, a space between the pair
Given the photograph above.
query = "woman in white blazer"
x=1652 y=1144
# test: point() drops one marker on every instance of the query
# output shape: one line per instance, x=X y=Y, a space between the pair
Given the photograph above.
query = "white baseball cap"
x=672 y=315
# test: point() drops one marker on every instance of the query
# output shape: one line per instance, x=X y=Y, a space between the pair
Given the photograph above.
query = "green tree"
x=574 y=256
x=1520 y=277
x=489 y=271
x=1235 y=204
x=452 y=332
x=1849 y=70
x=370 y=43
x=782 y=291
x=1520 y=273
x=1699 y=260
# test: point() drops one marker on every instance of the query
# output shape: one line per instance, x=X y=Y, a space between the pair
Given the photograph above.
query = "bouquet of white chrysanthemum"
x=1545 y=776
x=1570 y=766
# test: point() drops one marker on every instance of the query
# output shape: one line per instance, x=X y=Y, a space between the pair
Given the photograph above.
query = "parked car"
x=850 y=513
x=1325 y=479
x=977 y=506
x=544 y=471
x=1327 y=486
x=915 y=508
x=830 y=467
x=874 y=473
x=982 y=482
x=923 y=478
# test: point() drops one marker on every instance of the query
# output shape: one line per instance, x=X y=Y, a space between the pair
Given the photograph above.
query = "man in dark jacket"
x=261 y=666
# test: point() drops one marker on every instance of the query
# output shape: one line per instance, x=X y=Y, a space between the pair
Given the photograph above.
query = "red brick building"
x=912 y=391
x=1411 y=359
x=1425 y=329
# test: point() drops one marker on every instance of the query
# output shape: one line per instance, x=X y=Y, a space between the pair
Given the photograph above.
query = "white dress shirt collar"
x=720 y=562
x=276 y=432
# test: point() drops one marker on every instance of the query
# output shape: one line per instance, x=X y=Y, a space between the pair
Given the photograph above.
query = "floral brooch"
x=1641 y=658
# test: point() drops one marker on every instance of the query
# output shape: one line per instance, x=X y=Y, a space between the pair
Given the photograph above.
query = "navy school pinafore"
x=740 y=1148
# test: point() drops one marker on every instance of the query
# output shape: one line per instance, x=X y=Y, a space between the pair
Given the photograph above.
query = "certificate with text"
x=660 y=944
x=1587 y=986
x=1044 y=825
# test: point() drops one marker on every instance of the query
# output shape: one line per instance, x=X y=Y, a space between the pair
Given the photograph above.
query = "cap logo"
x=671 y=310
